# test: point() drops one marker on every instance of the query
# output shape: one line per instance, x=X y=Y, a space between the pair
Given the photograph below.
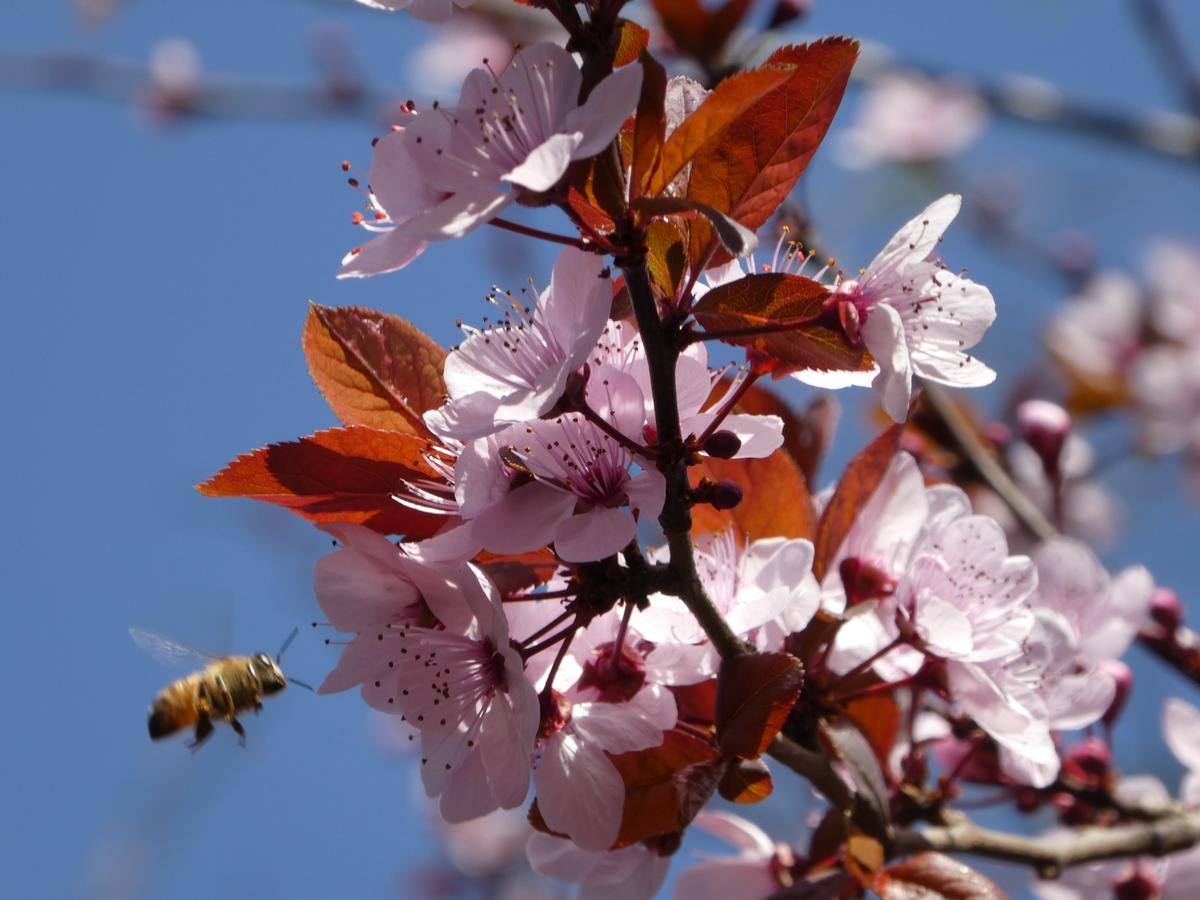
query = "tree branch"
x=1048 y=856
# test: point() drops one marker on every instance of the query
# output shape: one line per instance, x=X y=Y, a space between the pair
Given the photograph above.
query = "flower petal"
x=607 y=107
x=579 y=792
x=594 y=534
x=548 y=162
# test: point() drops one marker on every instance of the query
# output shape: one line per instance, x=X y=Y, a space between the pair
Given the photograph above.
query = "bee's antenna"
x=291 y=637
x=299 y=683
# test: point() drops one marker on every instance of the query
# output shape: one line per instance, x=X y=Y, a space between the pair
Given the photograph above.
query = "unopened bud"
x=864 y=581
x=1139 y=884
x=851 y=321
x=725 y=495
x=1089 y=763
x=722 y=444
x=1122 y=677
x=1167 y=609
x=1044 y=426
x=1028 y=800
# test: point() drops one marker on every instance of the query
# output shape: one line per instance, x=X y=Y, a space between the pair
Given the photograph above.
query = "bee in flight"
x=223 y=687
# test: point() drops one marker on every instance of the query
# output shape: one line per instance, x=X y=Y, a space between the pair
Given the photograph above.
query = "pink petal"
x=637 y=724
x=462 y=212
x=390 y=251
x=727 y=879
x=507 y=751
x=913 y=243
x=647 y=492
x=610 y=103
x=594 y=534
x=737 y=832
x=579 y=792
x=577 y=303
x=543 y=168
x=526 y=519
x=363 y=583
x=466 y=795
x=1181 y=731
x=883 y=334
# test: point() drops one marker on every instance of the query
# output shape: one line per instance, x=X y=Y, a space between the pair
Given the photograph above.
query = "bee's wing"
x=169 y=652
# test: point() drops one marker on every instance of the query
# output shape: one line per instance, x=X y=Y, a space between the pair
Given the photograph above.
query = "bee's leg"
x=241 y=732
x=204 y=727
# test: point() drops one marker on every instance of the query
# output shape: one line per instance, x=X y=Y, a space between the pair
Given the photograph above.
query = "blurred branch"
x=214 y=96
x=1169 y=49
x=1050 y=855
x=1023 y=98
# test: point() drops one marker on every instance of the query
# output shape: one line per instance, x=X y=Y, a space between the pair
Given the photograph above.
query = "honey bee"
x=223 y=688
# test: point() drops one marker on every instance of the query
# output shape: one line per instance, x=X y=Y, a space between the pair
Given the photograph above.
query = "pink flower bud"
x=1122 y=676
x=787 y=11
x=1166 y=609
x=1140 y=883
x=722 y=444
x=1089 y=764
x=1044 y=426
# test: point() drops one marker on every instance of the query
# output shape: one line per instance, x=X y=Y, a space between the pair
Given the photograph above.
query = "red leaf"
x=339 y=475
x=755 y=693
x=746 y=781
x=649 y=124
x=807 y=339
x=658 y=798
x=631 y=41
x=697 y=703
x=707 y=125
x=762 y=154
x=694 y=30
x=857 y=484
x=374 y=369
x=931 y=876
x=878 y=718
x=776 y=500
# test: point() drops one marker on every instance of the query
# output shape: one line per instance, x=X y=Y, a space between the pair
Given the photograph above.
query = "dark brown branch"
x=1167 y=43
x=1048 y=856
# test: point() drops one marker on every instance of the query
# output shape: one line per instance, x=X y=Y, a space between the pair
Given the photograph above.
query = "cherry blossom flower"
x=753 y=874
x=1181 y=730
x=767 y=583
x=635 y=872
x=1173 y=275
x=461 y=685
x=564 y=481
x=915 y=316
x=580 y=792
x=1097 y=333
x=514 y=133
x=907 y=117
x=514 y=370
x=1165 y=381
x=426 y=10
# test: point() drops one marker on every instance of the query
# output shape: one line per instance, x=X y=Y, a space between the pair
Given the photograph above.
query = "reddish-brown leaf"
x=793 y=303
x=755 y=693
x=762 y=154
x=707 y=125
x=519 y=572
x=878 y=718
x=658 y=796
x=746 y=781
x=934 y=876
x=596 y=191
x=776 y=501
x=649 y=125
x=339 y=475
x=666 y=256
x=697 y=703
x=632 y=39
x=374 y=369
x=857 y=484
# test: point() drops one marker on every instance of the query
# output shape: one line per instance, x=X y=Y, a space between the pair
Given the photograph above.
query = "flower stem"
x=541 y=235
x=735 y=396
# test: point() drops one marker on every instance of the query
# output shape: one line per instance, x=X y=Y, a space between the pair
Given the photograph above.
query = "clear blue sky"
x=154 y=283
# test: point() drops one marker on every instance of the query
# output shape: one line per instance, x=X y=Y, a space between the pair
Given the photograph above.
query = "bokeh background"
x=154 y=275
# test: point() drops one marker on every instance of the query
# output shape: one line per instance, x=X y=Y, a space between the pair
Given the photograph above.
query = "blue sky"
x=155 y=282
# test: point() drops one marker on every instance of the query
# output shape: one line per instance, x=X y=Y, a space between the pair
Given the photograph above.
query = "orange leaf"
x=755 y=693
x=763 y=153
x=934 y=876
x=707 y=125
x=878 y=718
x=666 y=256
x=374 y=369
x=694 y=30
x=857 y=484
x=631 y=41
x=776 y=501
x=792 y=303
x=339 y=475
x=649 y=125
x=746 y=781
x=658 y=799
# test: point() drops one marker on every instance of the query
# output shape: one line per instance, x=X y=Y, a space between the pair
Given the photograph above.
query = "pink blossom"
x=427 y=10
x=1181 y=730
x=635 y=872
x=1165 y=381
x=1098 y=332
x=514 y=370
x=512 y=133
x=907 y=117
x=1173 y=273
x=751 y=875
x=915 y=316
x=768 y=582
x=461 y=685
x=580 y=792
x=564 y=481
